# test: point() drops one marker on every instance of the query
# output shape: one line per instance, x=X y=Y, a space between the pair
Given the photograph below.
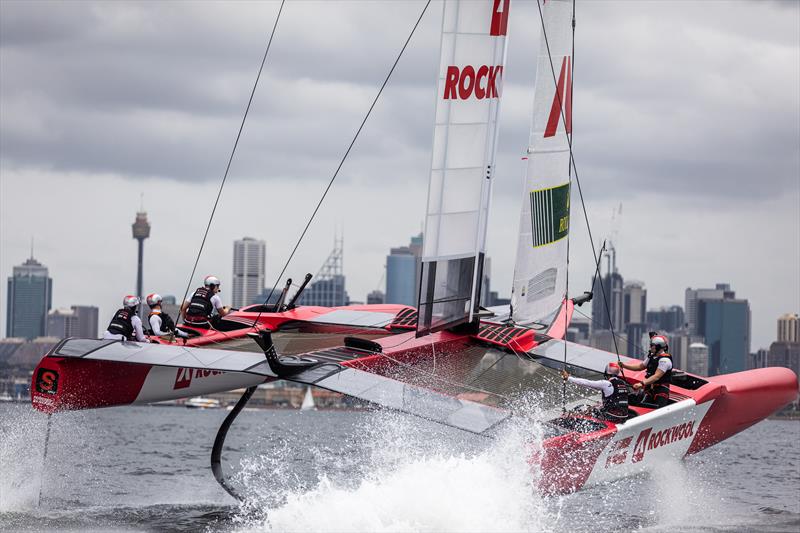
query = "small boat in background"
x=198 y=402
x=308 y=401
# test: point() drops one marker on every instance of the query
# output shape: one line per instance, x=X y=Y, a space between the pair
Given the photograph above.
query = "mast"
x=471 y=70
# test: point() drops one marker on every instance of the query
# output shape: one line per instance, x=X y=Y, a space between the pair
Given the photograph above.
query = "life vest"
x=167 y=324
x=652 y=366
x=200 y=306
x=617 y=403
x=121 y=324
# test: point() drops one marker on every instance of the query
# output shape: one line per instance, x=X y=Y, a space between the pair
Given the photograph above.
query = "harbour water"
x=147 y=469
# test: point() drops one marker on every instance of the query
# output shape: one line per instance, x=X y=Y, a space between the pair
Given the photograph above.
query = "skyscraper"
x=62 y=323
x=402 y=273
x=725 y=324
x=789 y=328
x=697 y=359
x=249 y=264
x=693 y=296
x=30 y=295
x=87 y=320
x=666 y=319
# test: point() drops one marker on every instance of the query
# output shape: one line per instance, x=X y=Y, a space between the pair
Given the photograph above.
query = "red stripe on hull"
x=566 y=462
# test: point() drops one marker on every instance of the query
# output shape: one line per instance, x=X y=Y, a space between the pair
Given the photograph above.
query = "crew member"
x=658 y=372
x=614 y=390
x=126 y=324
x=205 y=308
x=161 y=323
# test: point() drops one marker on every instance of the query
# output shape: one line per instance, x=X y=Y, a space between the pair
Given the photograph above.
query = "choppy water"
x=147 y=469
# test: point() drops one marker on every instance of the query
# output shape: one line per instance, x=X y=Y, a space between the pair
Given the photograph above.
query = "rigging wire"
x=574 y=168
x=233 y=152
x=341 y=162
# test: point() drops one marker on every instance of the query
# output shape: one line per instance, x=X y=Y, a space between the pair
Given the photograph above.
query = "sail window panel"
x=457 y=233
x=473 y=16
x=471 y=111
x=431 y=242
x=445 y=293
x=472 y=50
x=466 y=145
x=462 y=189
x=439 y=152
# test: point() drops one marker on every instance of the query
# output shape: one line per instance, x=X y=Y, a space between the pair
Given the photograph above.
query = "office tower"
x=62 y=323
x=786 y=354
x=29 y=296
x=679 y=343
x=328 y=288
x=789 y=328
x=697 y=359
x=402 y=273
x=722 y=291
x=666 y=319
x=87 y=319
x=725 y=325
x=249 y=265
x=375 y=297
x=141 y=231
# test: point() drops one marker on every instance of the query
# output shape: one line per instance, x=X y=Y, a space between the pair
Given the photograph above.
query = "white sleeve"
x=602 y=384
x=216 y=301
x=137 y=328
x=665 y=364
x=155 y=325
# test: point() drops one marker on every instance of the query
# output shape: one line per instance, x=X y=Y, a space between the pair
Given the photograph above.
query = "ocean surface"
x=147 y=469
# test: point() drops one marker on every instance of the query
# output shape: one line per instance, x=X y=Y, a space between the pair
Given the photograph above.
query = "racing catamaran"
x=449 y=360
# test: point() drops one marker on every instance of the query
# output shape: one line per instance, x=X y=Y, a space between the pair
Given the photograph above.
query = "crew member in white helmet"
x=126 y=324
x=613 y=388
x=204 y=308
x=161 y=323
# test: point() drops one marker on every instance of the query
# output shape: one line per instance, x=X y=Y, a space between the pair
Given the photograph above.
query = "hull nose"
x=749 y=397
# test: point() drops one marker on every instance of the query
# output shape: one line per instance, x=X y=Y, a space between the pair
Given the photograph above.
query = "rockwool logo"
x=183 y=378
x=647 y=440
x=465 y=82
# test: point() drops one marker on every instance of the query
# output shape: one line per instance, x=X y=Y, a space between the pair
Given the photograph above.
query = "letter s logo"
x=47 y=381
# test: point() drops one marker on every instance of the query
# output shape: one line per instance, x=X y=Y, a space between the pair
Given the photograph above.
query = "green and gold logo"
x=549 y=214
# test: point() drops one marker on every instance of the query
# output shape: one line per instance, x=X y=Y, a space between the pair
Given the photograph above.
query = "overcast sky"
x=686 y=113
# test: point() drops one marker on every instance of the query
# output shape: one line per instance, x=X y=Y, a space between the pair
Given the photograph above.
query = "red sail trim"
x=499 y=24
x=555 y=110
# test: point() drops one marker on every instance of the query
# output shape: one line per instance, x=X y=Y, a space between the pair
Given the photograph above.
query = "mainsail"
x=540 y=273
x=473 y=51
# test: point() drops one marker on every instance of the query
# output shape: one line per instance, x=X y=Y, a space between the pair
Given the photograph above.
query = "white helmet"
x=131 y=301
x=153 y=299
x=612 y=369
x=211 y=281
x=659 y=341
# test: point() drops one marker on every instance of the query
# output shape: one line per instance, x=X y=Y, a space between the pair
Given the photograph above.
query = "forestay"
x=473 y=50
x=540 y=273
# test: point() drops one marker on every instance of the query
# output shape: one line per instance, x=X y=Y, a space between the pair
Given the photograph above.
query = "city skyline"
x=667 y=142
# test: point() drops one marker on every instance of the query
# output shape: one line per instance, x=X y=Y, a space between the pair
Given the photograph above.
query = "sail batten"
x=540 y=272
x=469 y=88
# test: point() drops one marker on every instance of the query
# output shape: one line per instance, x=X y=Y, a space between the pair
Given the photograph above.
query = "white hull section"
x=170 y=383
x=640 y=443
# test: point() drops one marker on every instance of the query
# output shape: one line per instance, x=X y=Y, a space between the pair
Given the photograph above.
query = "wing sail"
x=473 y=53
